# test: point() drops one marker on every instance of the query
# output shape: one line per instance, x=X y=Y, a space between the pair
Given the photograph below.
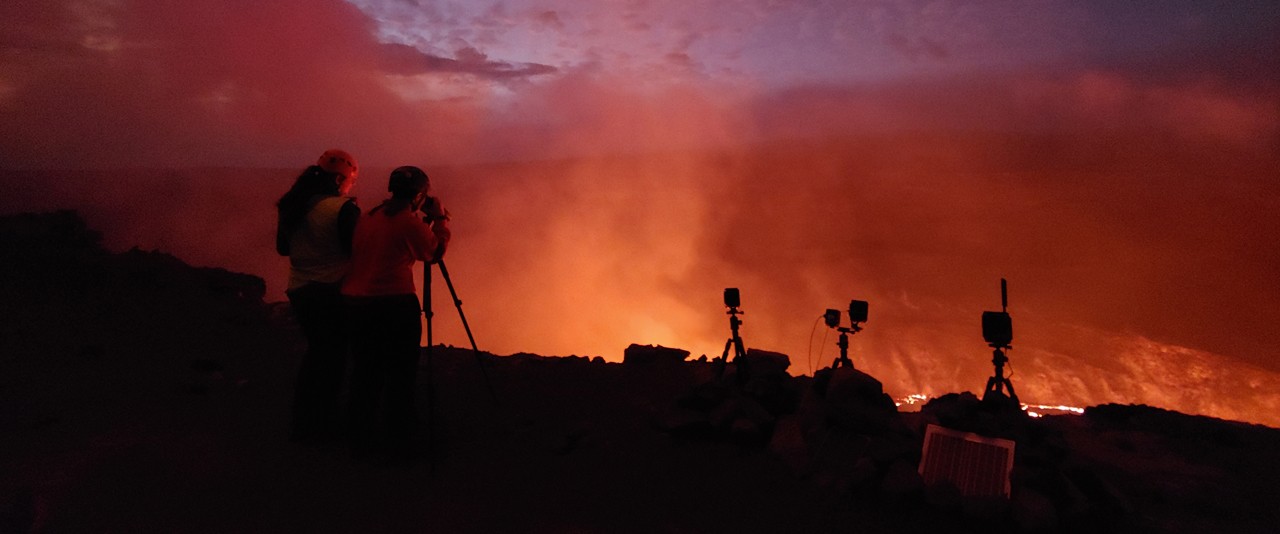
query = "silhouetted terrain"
x=872 y=218
x=140 y=394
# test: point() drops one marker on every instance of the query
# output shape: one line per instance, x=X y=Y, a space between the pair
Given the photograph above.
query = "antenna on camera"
x=732 y=300
x=997 y=330
x=857 y=314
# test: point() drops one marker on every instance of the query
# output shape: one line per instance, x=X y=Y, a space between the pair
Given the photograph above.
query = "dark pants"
x=385 y=336
x=320 y=313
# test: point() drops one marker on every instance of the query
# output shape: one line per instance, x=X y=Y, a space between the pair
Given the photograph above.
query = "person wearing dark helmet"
x=315 y=225
x=386 y=314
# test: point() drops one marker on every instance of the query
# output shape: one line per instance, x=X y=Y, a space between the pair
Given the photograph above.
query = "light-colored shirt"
x=316 y=253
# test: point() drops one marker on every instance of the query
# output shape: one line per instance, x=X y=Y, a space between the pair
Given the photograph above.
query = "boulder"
x=855 y=400
x=653 y=355
x=767 y=363
x=738 y=409
x=966 y=413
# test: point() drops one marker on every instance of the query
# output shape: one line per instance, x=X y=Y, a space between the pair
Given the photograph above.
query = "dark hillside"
x=140 y=394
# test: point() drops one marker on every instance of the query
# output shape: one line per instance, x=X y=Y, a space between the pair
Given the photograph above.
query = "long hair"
x=294 y=205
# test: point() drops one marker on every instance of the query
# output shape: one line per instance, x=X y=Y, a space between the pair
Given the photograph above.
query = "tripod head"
x=732 y=300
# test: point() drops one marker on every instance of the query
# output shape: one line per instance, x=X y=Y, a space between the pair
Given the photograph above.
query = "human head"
x=408 y=182
x=341 y=164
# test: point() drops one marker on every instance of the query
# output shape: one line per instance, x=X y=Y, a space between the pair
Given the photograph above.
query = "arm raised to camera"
x=435 y=214
x=433 y=211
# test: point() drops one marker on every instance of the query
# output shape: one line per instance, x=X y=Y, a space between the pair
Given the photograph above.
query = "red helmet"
x=338 y=162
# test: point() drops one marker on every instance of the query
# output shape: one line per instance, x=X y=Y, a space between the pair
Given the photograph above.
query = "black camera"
x=997 y=328
x=857 y=311
x=832 y=318
x=731 y=297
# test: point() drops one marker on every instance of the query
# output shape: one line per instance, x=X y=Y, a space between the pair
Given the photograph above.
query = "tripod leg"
x=431 y=389
x=740 y=359
x=426 y=301
x=1009 y=386
x=444 y=272
x=724 y=359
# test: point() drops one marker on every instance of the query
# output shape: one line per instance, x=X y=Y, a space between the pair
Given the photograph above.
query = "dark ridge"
x=139 y=393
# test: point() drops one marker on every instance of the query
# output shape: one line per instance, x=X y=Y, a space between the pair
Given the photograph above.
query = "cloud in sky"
x=778 y=44
x=261 y=83
x=227 y=83
x=406 y=60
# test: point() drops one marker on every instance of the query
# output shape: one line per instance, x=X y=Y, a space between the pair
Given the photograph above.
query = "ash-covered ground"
x=139 y=394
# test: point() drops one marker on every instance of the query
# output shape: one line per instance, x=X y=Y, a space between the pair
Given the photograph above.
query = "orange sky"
x=612 y=169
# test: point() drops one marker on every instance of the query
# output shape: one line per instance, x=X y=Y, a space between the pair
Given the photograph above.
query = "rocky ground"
x=138 y=394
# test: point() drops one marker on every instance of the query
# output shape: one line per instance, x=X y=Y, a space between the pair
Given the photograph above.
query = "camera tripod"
x=997 y=330
x=427 y=311
x=843 y=343
x=734 y=342
x=996 y=384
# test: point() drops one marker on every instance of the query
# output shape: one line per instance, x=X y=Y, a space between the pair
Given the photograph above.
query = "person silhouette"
x=386 y=326
x=314 y=228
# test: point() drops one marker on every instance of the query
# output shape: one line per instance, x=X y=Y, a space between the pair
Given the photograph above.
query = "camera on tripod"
x=997 y=327
x=997 y=330
x=732 y=300
x=857 y=314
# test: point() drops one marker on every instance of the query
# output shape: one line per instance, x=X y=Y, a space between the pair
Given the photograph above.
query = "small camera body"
x=857 y=311
x=731 y=297
x=832 y=318
x=997 y=328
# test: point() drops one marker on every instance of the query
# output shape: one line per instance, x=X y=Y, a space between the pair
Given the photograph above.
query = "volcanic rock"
x=653 y=355
x=854 y=399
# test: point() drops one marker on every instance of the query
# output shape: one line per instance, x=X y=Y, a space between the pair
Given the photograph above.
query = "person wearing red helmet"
x=385 y=312
x=315 y=226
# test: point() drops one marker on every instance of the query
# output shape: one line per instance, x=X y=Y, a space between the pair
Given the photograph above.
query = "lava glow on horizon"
x=612 y=167
x=916 y=401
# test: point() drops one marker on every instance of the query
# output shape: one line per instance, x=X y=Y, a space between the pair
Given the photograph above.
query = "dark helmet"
x=407 y=181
